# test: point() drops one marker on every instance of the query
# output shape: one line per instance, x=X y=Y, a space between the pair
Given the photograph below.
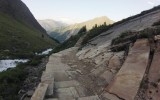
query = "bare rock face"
x=115 y=61
x=127 y=82
x=63 y=34
x=18 y=10
x=153 y=90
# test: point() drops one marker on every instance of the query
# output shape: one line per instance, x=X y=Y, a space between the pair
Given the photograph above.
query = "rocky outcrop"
x=127 y=81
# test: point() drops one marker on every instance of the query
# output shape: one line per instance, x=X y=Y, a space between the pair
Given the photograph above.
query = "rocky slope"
x=20 y=33
x=49 y=25
x=63 y=34
x=96 y=71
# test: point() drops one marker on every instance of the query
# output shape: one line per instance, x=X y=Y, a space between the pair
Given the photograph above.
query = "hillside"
x=20 y=33
x=63 y=34
x=49 y=25
x=121 y=63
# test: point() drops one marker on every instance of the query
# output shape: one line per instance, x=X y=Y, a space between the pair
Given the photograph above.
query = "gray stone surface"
x=48 y=78
x=65 y=84
x=40 y=92
x=89 y=98
x=106 y=77
x=67 y=93
x=108 y=96
x=127 y=82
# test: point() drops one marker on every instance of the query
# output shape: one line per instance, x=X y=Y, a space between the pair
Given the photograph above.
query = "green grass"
x=10 y=82
x=95 y=31
x=19 y=39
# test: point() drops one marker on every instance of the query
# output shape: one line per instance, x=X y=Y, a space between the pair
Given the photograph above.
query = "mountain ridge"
x=63 y=34
x=50 y=24
x=19 y=11
x=20 y=33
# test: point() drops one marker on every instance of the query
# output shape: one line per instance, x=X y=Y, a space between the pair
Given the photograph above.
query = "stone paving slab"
x=127 y=82
x=52 y=99
x=61 y=76
x=56 y=67
x=67 y=93
x=40 y=92
x=65 y=84
x=48 y=78
x=105 y=78
x=89 y=98
x=81 y=91
x=108 y=96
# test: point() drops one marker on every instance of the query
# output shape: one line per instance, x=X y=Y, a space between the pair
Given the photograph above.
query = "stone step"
x=65 y=84
x=40 y=92
x=48 y=78
x=58 y=99
x=108 y=96
x=67 y=93
x=127 y=81
x=61 y=76
x=82 y=98
x=52 y=99
x=89 y=98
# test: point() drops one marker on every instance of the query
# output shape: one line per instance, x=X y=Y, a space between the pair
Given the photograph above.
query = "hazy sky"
x=81 y=10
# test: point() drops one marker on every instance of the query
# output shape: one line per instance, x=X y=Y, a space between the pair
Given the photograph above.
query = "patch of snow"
x=45 y=52
x=5 y=64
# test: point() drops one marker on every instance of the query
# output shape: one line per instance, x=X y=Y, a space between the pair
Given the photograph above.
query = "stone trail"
x=61 y=82
x=96 y=74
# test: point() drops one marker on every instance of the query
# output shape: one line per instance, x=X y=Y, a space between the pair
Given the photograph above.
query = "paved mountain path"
x=94 y=74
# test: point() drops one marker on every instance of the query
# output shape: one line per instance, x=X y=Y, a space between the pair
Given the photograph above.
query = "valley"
x=113 y=66
x=98 y=59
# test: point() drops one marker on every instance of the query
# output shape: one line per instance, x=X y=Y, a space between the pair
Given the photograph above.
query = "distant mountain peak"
x=63 y=34
x=50 y=24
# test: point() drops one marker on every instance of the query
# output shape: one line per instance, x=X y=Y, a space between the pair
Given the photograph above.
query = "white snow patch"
x=5 y=64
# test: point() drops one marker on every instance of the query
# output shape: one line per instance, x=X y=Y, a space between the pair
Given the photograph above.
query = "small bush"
x=156 y=23
x=12 y=79
x=124 y=37
x=36 y=60
x=121 y=47
x=95 y=31
x=10 y=82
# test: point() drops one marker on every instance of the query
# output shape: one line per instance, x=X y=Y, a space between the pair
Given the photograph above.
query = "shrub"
x=156 y=23
x=12 y=79
x=121 y=47
x=124 y=37
x=95 y=31
x=71 y=41
x=10 y=82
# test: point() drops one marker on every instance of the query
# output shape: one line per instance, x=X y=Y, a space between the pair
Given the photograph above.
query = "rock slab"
x=127 y=82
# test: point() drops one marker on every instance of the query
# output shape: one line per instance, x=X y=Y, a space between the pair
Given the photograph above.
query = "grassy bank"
x=18 y=39
x=12 y=80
